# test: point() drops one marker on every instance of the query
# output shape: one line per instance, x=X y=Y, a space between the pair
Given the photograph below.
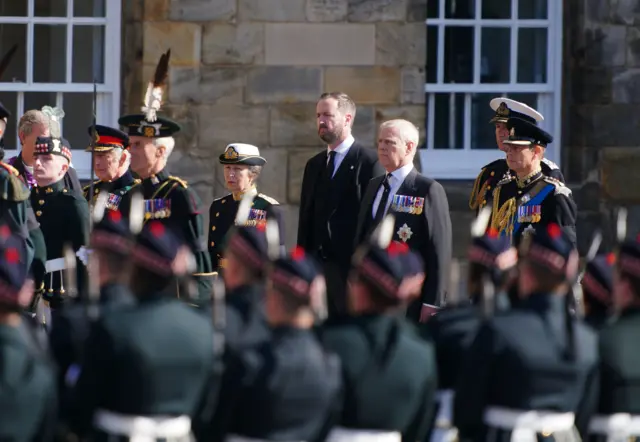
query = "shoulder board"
x=501 y=163
x=505 y=180
x=221 y=198
x=182 y=182
x=550 y=164
x=136 y=181
x=560 y=189
x=88 y=186
x=9 y=168
x=268 y=199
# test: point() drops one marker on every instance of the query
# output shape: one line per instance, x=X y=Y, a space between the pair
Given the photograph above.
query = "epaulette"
x=268 y=199
x=182 y=182
x=136 y=181
x=550 y=164
x=221 y=198
x=560 y=189
x=88 y=186
x=13 y=188
x=505 y=180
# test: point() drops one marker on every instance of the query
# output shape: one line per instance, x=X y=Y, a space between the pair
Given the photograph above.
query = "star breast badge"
x=405 y=232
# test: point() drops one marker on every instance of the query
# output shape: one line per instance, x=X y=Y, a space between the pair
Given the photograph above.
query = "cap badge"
x=502 y=110
x=231 y=154
x=512 y=132
x=149 y=131
x=56 y=145
x=405 y=232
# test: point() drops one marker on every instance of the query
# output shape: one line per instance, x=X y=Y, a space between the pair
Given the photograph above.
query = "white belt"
x=340 y=434
x=526 y=424
x=444 y=430
x=142 y=428
x=621 y=425
x=54 y=265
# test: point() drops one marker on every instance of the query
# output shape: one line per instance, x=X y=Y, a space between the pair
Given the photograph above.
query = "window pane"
x=432 y=54
x=458 y=50
x=88 y=54
x=449 y=121
x=78 y=109
x=13 y=8
x=459 y=8
x=10 y=35
x=89 y=8
x=37 y=100
x=528 y=9
x=482 y=130
x=49 y=8
x=433 y=9
x=496 y=9
x=494 y=63
x=10 y=102
x=532 y=55
x=49 y=59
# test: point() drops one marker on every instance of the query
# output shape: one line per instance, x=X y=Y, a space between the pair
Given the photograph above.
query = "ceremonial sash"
x=529 y=200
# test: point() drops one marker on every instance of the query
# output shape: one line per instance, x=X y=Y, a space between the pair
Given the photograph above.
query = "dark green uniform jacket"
x=519 y=361
x=63 y=215
x=222 y=216
x=285 y=389
x=28 y=396
x=117 y=189
x=620 y=365
x=245 y=322
x=168 y=199
x=389 y=374
x=152 y=359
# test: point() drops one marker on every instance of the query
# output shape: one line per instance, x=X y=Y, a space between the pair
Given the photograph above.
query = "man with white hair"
x=33 y=124
x=420 y=207
x=496 y=171
x=111 y=165
x=168 y=198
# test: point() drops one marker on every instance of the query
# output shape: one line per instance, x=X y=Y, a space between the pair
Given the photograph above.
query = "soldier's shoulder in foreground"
x=12 y=188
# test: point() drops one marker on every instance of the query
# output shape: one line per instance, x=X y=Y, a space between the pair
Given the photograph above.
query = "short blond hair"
x=407 y=131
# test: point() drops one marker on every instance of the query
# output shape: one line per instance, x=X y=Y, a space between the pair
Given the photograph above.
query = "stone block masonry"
x=252 y=70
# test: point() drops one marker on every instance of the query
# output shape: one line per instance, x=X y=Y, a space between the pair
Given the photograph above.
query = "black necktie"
x=331 y=164
x=383 y=201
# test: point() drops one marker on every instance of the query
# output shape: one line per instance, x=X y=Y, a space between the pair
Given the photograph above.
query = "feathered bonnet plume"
x=156 y=87
x=55 y=115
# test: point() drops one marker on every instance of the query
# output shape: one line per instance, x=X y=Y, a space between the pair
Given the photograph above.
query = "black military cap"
x=112 y=233
x=597 y=280
x=629 y=258
x=108 y=138
x=138 y=125
x=298 y=275
x=493 y=252
x=250 y=244
x=395 y=271
x=4 y=112
x=14 y=269
x=156 y=249
x=506 y=108
x=53 y=146
x=524 y=133
x=552 y=249
x=240 y=153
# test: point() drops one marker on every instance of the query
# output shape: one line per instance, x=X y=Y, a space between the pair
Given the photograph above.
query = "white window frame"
x=108 y=92
x=466 y=163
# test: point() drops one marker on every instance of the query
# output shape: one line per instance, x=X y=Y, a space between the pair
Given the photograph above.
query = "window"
x=63 y=46
x=478 y=50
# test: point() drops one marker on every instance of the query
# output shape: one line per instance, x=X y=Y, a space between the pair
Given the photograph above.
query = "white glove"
x=83 y=255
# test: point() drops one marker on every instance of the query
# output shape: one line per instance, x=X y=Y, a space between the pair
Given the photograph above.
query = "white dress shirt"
x=396 y=178
x=341 y=152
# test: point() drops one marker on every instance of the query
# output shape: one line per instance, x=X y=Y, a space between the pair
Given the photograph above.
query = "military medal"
x=405 y=232
x=529 y=214
x=113 y=202
x=157 y=209
x=419 y=206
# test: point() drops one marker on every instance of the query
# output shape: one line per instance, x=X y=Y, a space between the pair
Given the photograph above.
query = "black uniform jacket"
x=496 y=171
x=286 y=388
x=151 y=359
x=519 y=361
x=118 y=190
x=389 y=374
x=329 y=210
x=519 y=211
x=426 y=229
x=168 y=199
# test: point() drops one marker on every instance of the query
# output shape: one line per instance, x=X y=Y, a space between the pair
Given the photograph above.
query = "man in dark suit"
x=333 y=184
x=420 y=206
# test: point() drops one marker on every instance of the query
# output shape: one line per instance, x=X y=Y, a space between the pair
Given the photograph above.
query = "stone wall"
x=252 y=70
